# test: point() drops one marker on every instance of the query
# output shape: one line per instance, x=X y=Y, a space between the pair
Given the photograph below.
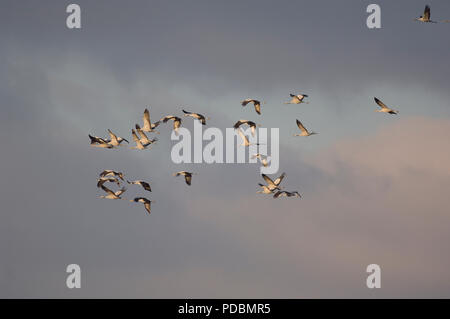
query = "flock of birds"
x=142 y=141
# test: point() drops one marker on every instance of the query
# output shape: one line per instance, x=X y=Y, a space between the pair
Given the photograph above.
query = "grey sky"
x=218 y=238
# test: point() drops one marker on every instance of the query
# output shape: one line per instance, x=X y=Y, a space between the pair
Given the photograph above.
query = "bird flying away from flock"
x=197 y=116
x=426 y=17
x=145 y=201
x=304 y=132
x=187 y=176
x=384 y=108
x=297 y=99
x=256 y=104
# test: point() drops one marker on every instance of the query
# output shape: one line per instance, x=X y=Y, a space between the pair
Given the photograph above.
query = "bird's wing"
x=295 y=99
x=186 y=112
x=242 y=135
x=381 y=104
x=279 y=179
x=104 y=173
x=188 y=178
x=245 y=102
x=135 y=137
x=427 y=13
x=146 y=120
x=156 y=124
x=176 y=123
x=147 y=206
x=146 y=186
x=268 y=180
x=301 y=127
x=277 y=194
x=238 y=123
x=120 y=191
x=258 y=108
x=107 y=190
x=113 y=136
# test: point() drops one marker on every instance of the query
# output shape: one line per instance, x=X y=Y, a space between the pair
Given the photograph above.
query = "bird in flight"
x=297 y=99
x=384 y=108
x=145 y=201
x=256 y=104
x=144 y=185
x=245 y=141
x=287 y=194
x=249 y=123
x=426 y=16
x=266 y=189
x=304 y=132
x=187 y=176
x=262 y=158
x=145 y=141
x=111 y=194
x=176 y=122
x=109 y=172
x=99 y=142
x=273 y=184
x=148 y=125
x=115 y=141
x=103 y=180
x=138 y=141
x=197 y=116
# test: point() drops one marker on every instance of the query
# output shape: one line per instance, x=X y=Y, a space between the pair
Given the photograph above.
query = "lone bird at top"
x=256 y=104
x=426 y=16
x=384 y=108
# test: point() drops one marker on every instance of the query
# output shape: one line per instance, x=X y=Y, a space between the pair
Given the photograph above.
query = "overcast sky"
x=375 y=186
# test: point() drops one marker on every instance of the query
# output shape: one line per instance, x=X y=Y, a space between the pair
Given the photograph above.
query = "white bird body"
x=266 y=189
x=304 y=131
x=384 y=108
x=115 y=140
x=296 y=99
